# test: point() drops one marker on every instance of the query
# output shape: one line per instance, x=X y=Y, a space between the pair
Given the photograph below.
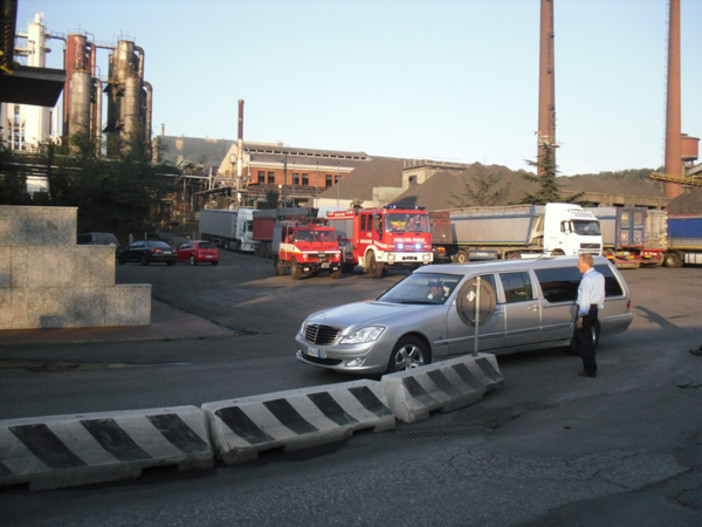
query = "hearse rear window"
x=560 y=284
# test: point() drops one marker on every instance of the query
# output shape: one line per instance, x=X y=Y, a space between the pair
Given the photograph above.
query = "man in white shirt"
x=591 y=296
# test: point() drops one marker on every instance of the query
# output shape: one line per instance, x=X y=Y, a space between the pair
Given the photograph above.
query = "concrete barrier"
x=65 y=450
x=447 y=385
x=296 y=419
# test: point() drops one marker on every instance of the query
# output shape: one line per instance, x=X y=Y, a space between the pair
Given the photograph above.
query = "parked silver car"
x=429 y=315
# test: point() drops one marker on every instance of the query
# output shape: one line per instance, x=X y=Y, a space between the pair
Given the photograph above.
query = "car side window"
x=559 y=284
x=517 y=287
x=612 y=287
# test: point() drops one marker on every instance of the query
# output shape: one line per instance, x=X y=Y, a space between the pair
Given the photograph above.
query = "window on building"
x=271 y=178
x=328 y=180
x=305 y=179
x=261 y=177
x=296 y=178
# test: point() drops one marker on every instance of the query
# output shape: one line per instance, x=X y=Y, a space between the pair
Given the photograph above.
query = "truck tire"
x=462 y=256
x=375 y=269
x=295 y=270
x=673 y=260
x=192 y=260
x=279 y=266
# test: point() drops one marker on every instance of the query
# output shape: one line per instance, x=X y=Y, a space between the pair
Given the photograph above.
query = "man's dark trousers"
x=586 y=343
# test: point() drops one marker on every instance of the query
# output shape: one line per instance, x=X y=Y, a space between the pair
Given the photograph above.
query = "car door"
x=522 y=309
x=461 y=330
x=559 y=290
x=184 y=251
x=136 y=251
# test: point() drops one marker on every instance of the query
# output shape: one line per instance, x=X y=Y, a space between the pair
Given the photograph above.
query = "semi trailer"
x=230 y=229
x=518 y=231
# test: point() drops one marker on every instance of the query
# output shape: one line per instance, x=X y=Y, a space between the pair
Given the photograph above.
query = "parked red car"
x=196 y=251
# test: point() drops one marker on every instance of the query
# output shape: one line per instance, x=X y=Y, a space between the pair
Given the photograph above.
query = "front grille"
x=320 y=334
x=590 y=246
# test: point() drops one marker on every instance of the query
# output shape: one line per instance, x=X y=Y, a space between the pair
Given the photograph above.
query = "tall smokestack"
x=547 y=92
x=673 y=148
x=240 y=145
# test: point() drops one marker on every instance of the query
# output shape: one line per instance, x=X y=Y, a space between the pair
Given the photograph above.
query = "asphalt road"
x=548 y=448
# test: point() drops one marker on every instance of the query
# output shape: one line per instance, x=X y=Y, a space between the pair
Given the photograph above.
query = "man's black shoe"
x=586 y=374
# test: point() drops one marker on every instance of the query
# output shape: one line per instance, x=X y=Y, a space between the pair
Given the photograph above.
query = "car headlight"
x=368 y=334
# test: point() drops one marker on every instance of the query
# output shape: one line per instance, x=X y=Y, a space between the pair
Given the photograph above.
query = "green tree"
x=546 y=178
x=121 y=195
x=481 y=190
x=271 y=200
x=13 y=182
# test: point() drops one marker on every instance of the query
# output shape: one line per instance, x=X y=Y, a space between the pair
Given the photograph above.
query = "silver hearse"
x=431 y=314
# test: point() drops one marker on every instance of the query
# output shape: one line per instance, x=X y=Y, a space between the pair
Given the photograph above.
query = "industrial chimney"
x=547 y=92
x=673 y=148
x=240 y=145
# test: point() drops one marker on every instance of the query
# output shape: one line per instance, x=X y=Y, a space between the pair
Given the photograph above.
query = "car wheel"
x=170 y=263
x=409 y=352
x=574 y=348
x=295 y=270
x=145 y=260
x=215 y=263
x=192 y=260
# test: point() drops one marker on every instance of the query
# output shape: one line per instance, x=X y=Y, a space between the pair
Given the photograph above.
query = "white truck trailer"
x=519 y=231
x=230 y=229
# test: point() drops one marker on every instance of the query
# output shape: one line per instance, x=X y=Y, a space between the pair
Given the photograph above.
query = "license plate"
x=314 y=352
x=325 y=265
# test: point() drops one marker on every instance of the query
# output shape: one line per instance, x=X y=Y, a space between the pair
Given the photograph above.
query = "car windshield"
x=422 y=288
x=314 y=236
x=407 y=222
x=587 y=228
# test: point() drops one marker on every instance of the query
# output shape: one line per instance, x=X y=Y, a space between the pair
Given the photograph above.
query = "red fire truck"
x=306 y=247
x=379 y=239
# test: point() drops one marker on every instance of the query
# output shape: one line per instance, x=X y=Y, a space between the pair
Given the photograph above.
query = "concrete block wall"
x=48 y=281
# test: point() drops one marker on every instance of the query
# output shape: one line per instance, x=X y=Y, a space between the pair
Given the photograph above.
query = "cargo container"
x=684 y=240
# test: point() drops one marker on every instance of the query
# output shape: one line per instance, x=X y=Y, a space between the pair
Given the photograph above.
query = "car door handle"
x=534 y=307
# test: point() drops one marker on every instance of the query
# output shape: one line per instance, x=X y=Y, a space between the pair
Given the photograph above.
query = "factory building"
x=126 y=116
x=26 y=126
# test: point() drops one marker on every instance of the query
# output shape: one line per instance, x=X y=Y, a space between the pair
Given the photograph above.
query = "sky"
x=448 y=80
